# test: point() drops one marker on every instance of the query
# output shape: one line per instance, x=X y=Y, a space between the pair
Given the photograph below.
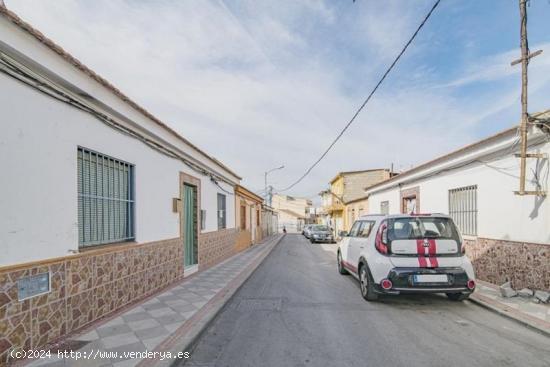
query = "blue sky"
x=263 y=83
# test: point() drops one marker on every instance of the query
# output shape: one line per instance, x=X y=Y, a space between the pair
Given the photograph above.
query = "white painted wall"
x=38 y=165
x=501 y=214
x=60 y=70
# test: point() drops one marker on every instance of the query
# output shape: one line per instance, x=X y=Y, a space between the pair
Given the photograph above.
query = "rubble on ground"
x=542 y=296
x=506 y=291
x=525 y=292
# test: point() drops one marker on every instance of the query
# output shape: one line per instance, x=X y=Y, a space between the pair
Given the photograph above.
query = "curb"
x=510 y=314
x=185 y=338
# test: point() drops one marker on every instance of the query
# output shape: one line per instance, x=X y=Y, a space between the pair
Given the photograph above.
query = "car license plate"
x=430 y=278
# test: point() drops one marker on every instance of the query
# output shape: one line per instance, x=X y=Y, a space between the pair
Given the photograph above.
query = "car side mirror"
x=343 y=233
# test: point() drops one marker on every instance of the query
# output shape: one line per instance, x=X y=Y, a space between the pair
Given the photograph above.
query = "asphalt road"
x=296 y=310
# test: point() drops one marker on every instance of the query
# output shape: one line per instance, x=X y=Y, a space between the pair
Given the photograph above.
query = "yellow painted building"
x=345 y=199
x=353 y=210
x=248 y=207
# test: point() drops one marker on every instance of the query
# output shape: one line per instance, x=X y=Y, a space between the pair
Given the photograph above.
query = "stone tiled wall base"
x=498 y=261
x=84 y=288
x=216 y=246
x=243 y=241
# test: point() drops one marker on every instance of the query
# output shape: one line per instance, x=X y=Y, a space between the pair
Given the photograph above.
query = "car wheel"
x=312 y=240
x=341 y=268
x=367 y=284
x=458 y=296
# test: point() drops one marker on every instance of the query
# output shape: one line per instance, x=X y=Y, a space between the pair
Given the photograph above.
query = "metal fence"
x=463 y=208
x=105 y=199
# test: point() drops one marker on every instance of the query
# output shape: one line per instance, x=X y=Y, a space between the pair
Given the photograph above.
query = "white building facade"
x=507 y=235
x=103 y=204
x=293 y=212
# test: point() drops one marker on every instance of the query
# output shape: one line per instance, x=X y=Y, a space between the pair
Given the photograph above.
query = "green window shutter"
x=105 y=199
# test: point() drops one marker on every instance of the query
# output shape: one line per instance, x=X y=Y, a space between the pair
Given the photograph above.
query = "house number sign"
x=33 y=285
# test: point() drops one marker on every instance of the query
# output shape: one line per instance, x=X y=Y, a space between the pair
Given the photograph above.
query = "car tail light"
x=471 y=284
x=381 y=239
x=386 y=284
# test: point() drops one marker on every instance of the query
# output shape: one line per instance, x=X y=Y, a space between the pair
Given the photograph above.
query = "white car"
x=418 y=253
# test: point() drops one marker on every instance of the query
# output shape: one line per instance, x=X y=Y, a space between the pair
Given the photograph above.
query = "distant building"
x=293 y=212
x=345 y=198
x=248 y=217
x=270 y=221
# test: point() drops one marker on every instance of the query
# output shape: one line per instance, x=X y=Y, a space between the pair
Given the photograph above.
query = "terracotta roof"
x=241 y=190
x=14 y=18
x=459 y=151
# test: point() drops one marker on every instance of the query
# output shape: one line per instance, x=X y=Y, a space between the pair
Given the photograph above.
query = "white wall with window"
x=480 y=195
x=39 y=155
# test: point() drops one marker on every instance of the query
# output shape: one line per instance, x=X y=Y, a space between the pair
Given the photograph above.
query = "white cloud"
x=497 y=67
x=256 y=85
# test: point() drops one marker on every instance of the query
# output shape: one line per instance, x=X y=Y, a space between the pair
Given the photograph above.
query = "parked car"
x=393 y=254
x=320 y=233
x=306 y=229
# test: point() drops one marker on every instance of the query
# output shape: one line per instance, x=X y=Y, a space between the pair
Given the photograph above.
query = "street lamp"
x=267 y=195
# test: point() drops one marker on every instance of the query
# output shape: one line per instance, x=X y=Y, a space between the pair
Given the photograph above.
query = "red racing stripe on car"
x=433 y=253
x=349 y=266
x=420 y=251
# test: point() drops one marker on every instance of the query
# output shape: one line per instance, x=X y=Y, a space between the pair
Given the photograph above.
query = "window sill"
x=113 y=245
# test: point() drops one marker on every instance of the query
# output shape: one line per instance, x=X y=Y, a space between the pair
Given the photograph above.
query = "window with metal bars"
x=463 y=209
x=105 y=199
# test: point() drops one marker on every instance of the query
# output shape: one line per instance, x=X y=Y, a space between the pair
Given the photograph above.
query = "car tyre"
x=458 y=296
x=341 y=268
x=311 y=240
x=366 y=283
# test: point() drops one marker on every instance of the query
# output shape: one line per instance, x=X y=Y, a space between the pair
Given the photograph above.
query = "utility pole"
x=269 y=193
x=525 y=57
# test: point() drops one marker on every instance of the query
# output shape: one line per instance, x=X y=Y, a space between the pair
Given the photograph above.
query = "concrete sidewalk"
x=166 y=322
x=524 y=310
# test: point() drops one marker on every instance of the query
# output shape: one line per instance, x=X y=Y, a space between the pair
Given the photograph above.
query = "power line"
x=8 y=67
x=366 y=100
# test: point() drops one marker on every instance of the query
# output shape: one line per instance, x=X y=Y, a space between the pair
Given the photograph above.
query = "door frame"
x=252 y=224
x=408 y=194
x=185 y=178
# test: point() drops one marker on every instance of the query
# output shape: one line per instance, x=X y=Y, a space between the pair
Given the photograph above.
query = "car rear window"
x=320 y=228
x=421 y=227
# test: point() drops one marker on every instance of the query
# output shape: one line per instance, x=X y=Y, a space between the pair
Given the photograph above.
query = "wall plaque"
x=33 y=286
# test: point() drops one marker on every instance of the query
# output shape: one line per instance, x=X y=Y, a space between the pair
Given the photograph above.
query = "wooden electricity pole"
x=525 y=57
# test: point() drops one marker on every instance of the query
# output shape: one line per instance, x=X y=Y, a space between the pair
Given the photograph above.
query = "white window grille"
x=463 y=209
